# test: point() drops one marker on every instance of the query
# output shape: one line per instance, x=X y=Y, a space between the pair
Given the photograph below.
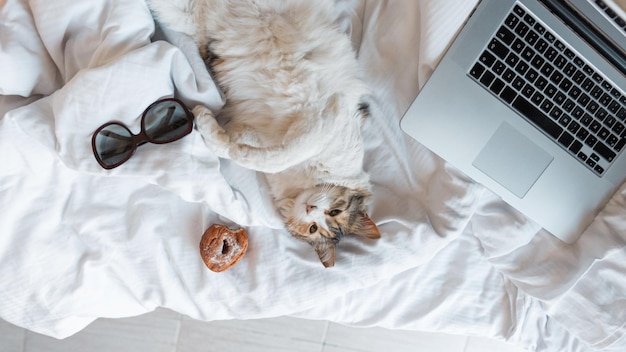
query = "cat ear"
x=284 y=207
x=326 y=252
x=333 y=105
x=365 y=227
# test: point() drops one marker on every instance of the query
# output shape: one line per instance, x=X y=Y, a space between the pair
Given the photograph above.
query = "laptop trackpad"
x=512 y=160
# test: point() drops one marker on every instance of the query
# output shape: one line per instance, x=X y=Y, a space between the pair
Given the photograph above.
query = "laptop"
x=530 y=101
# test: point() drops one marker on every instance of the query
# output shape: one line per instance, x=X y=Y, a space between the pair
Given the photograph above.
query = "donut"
x=221 y=247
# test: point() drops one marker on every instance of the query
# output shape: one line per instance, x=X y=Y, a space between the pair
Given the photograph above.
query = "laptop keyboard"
x=555 y=89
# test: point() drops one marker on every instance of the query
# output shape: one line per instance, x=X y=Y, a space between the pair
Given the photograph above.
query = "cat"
x=294 y=108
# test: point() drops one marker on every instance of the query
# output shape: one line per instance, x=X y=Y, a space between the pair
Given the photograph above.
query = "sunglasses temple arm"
x=167 y=119
x=116 y=136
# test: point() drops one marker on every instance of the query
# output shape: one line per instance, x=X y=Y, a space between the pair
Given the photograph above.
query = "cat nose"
x=310 y=208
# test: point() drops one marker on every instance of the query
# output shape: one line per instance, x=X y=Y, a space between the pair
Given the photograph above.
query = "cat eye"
x=164 y=121
x=313 y=228
x=334 y=212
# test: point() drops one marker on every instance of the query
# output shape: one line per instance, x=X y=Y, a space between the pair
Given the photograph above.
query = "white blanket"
x=79 y=242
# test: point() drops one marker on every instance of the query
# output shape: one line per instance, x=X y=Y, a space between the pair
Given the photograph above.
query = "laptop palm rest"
x=512 y=160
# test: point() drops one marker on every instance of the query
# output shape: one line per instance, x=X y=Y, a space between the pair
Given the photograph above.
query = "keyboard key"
x=550 y=90
x=541 y=45
x=498 y=67
x=569 y=70
x=565 y=85
x=568 y=105
x=583 y=99
x=604 y=151
x=536 y=116
x=579 y=62
x=573 y=127
x=477 y=70
x=566 y=139
x=556 y=77
x=508 y=75
x=512 y=59
x=497 y=86
x=560 y=61
x=605 y=100
x=546 y=106
x=592 y=107
x=518 y=83
x=522 y=29
x=582 y=134
x=547 y=69
x=511 y=21
x=595 y=126
x=586 y=119
x=612 y=140
x=618 y=147
x=508 y=94
x=564 y=120
x=539 y=28
x=532 y=37
x=587 y=85
x=574 y=93
x=487 y=59
x=498 y=48
x=537 y=98
x=505 y=35
x=531 y=76
x=528 y=54
x=521 y=68
x=541 y=83
x=598 y=169
x=590 y=162
x=537 y=62
x=575 y=147
x=578 y=113
x=591 y=140
x=487 y=78
x=528 y=90
x=604 y=134
x=601 y=114
x=614 y=107
x=609 y=121
x=518 y=45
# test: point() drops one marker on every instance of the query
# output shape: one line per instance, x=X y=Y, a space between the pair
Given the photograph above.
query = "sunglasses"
x=164 y=121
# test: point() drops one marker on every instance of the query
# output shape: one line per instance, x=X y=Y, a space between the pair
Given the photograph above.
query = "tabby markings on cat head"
x=324 y=214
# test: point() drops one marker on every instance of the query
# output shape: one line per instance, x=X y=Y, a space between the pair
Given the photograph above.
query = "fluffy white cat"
x=293 y=110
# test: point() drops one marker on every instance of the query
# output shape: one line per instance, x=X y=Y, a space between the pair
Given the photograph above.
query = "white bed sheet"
x=79 y=242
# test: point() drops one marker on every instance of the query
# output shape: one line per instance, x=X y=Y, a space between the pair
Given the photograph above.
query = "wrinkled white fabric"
x=79 y=242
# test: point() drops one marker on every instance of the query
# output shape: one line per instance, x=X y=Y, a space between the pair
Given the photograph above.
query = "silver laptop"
x=530 y=100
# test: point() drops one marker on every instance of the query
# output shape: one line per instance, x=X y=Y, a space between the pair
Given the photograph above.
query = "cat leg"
x=300 y=144
x=214 y=136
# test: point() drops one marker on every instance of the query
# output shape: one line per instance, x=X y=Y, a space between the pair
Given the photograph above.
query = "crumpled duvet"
x=79 y=242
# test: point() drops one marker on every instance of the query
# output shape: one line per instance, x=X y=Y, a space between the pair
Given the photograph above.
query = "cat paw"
x=213 y=135
x=254 y=158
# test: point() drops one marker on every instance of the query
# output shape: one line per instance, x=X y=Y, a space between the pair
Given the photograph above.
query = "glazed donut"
x=221 y=247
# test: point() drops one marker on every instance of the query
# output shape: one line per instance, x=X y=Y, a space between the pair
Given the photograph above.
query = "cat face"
x=322 y=215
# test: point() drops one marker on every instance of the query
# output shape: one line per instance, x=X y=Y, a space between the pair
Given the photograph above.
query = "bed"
x=78 y=242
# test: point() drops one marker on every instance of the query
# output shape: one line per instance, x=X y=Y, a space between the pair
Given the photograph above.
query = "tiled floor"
x=166 y=331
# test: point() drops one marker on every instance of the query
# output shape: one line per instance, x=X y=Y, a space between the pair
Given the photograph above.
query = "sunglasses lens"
x=167 y=121
x=113 y=145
